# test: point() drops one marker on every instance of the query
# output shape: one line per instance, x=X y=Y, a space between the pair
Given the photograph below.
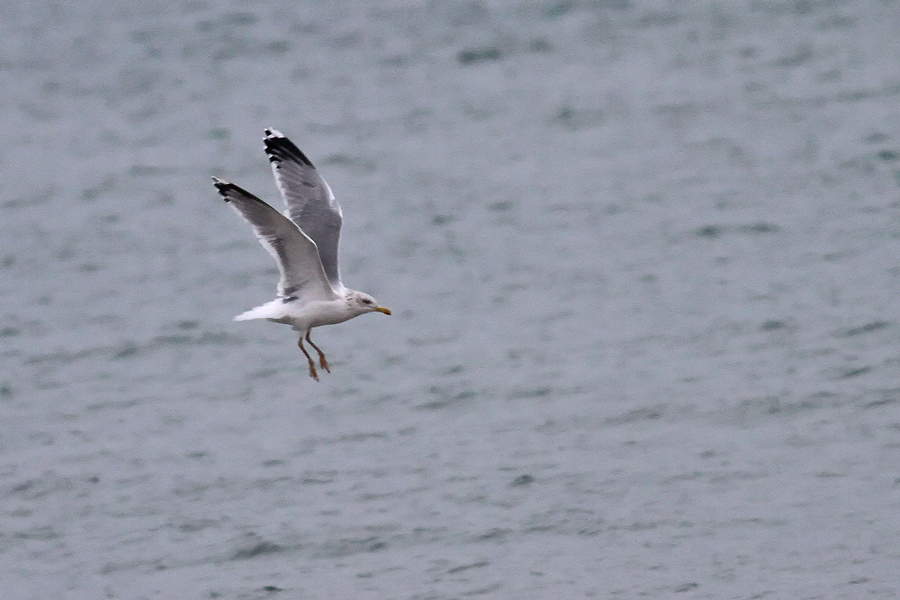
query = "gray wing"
x=298 y=261
x=309 y=200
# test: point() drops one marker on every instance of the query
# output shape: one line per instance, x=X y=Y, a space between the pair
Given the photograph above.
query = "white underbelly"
x=315 y=314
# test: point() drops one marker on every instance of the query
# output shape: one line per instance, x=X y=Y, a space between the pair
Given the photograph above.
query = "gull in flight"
x=304 y=243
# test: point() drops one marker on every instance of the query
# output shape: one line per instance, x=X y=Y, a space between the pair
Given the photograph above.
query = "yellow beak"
x=384 y=310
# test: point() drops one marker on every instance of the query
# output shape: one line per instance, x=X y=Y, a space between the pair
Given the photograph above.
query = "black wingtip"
x=223 y=187
x=279 y=148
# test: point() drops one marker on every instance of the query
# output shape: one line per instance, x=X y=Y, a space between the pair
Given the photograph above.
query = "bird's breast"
x=317 y=313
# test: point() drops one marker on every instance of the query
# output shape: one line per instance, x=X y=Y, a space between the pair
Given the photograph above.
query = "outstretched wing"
x=298 y=261
x=309 y=200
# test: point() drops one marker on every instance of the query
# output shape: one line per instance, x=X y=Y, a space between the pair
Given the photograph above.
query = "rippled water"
x=642 y=258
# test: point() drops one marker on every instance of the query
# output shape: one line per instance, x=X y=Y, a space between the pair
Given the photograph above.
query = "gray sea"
x=644 y=263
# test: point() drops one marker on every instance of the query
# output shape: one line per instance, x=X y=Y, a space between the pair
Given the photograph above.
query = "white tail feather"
x=269 y=310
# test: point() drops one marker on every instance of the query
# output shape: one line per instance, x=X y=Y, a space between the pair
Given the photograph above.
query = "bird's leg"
x=322 y=360
x=312 y=365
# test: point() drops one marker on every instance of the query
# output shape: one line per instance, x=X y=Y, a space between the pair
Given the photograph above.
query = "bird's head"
x=365 y=303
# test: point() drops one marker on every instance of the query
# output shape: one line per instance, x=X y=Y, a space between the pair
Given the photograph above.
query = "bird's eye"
x=366 y=301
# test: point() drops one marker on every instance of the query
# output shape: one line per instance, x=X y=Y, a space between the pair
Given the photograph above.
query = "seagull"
x=304 y=243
